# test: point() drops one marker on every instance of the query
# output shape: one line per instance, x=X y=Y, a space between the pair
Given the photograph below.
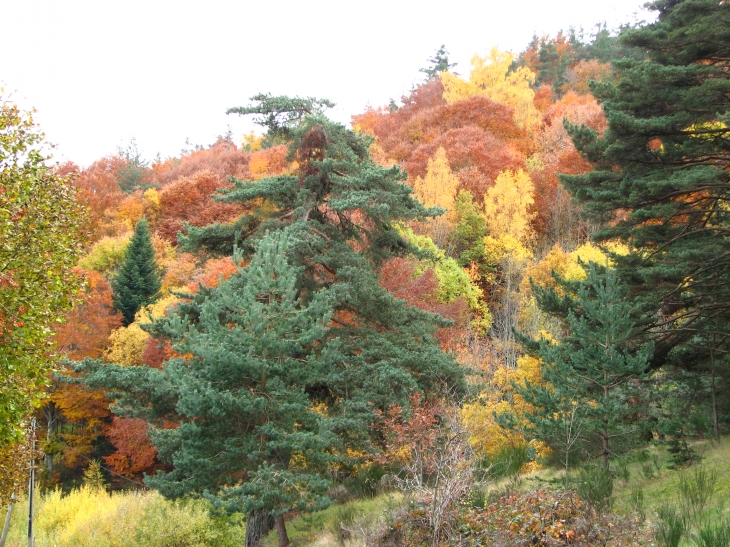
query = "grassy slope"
x=665 y=486
x=658 y=483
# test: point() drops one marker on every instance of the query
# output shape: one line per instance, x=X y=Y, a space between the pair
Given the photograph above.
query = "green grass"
x=319 y=529
x=664 y=487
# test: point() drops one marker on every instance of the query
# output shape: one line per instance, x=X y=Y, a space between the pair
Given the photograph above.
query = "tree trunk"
x=281 y=531
x=258 y=524
x=50 y=412
x=715 y=417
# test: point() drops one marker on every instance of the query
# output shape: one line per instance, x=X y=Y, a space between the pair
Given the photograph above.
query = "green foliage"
x=132 y=174
x=592 y=377
x=438 y=63
x=682 y=455
x=281 y=367
x=664 y=161
x=281 y=115
x=40 y=241
x=595 y=484
x=138 y=281
x=469 y=234
x=671 y=526
x=713 y=534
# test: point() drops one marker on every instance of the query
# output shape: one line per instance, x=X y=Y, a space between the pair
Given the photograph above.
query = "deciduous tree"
x=40 y=243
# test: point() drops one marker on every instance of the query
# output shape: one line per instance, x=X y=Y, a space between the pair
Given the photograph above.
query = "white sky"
x=101 y=72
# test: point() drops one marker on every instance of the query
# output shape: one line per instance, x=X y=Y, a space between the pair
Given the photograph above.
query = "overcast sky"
x=103 y=72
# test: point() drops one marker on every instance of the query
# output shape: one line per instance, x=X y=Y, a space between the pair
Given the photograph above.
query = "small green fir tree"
x=137 y=283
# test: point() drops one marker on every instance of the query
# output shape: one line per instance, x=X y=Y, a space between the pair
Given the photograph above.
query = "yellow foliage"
x=486 y=436
x=251 y=142
x=106 y=254
x=130 y=210
x=165 y=253
x=258 y=165
x=151 y=204
x=506 y=247
x=127 y=344
x=507 y=206
x=89 y=517
x=491 y=77
x=439 y=187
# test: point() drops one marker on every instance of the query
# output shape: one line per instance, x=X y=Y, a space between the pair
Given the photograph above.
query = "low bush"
x=91 y=517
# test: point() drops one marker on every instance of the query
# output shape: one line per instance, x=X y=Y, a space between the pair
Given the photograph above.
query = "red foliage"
x=468 y=148
x=156 y=352
x=135 y=453
x=396 y=276
x=406 y=434
x=479 y=136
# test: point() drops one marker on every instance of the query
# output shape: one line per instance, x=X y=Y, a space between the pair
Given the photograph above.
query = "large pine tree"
x=662 y=176
x=282 y=367
x=137 y=283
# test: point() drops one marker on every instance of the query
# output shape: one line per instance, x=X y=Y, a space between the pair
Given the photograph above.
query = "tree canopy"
x=289 y=359
x=662 y=177
x=40 y=241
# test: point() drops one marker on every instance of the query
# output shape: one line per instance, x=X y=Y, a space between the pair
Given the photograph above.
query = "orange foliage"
x=88 y=326
x=397 y=277
x=213 y=271
x=188 y=200
x=577 y=77
x=97 y=189
x=223 y=159
x=135 y=453
x=269 y=162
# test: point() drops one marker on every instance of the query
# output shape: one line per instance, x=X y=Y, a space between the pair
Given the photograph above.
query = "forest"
x=494 y=312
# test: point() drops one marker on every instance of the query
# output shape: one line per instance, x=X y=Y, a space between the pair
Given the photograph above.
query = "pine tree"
x=662 y=176
x=438 y=63
x=592 y=378
x=138 y=281
x=282 y=367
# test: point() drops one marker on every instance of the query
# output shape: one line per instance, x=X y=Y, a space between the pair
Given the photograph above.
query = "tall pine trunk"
x=281 y=531
x=258 y=524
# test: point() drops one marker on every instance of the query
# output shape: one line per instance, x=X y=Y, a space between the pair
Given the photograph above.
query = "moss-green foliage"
x=91 y=517
x=106 y=255
x=453 y=280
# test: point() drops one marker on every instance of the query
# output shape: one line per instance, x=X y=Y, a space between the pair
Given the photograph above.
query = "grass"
x=321 y=529
x=665 y=485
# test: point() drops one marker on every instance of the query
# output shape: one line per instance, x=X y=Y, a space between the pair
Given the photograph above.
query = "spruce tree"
x=137 y=283
x=662 y=175
x=590 y=397
x=281 y=368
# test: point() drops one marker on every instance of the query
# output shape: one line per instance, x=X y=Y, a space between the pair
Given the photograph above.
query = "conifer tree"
x=592 y=377
x=138 y=281
x=662 y=174
x=282 y=367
